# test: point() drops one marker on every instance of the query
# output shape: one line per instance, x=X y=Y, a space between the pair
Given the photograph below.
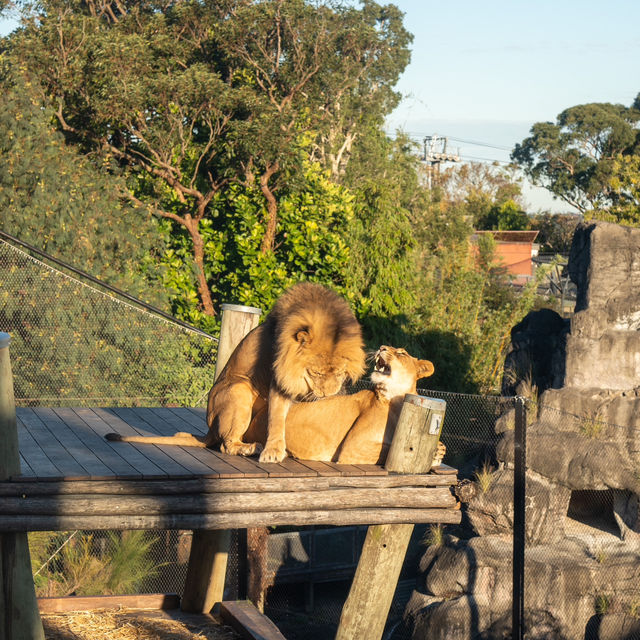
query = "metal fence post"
x=519 y=493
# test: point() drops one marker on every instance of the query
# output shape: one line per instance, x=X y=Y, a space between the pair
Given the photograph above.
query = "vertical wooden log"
x=204 y=585
x=19 y=616
x=414 y=443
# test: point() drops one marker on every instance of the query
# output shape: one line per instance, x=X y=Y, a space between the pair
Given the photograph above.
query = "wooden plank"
x=372 y=470
x=244 y=618
x=322 y=468
x=70 y=441
x=173 y=486
x=134 y=417
x=346 y=469
x=141 y=466
x=250 y=502
x=180 y=420
x=157 y=455
x=68 y=466
x=190 y=455
x=298 y=467
x=444 y=470
x=35 y=455
x=89 y=603
x=25 y=468
x=72 y=432
x=341 y=517
x=196 y=420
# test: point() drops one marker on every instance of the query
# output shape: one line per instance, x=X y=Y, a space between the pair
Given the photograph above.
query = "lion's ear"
x=425 y=368
x=303 y=337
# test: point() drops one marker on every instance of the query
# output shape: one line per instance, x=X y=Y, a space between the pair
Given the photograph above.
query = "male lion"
x=358 y=428
x=308 y=346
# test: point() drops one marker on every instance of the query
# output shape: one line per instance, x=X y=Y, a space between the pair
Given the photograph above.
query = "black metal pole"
x=519 y=490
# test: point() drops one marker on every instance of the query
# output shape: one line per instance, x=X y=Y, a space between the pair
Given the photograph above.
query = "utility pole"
x=435 y=152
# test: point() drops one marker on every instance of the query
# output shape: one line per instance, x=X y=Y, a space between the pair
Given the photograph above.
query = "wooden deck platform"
x=72 y=478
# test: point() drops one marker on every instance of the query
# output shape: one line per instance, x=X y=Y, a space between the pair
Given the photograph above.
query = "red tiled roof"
x=512 y=236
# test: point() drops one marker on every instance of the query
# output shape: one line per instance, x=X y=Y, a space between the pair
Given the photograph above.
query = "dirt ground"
x=128 y=624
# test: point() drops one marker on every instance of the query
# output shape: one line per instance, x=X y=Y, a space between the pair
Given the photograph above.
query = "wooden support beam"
x=19 y=616
x=221 y=485
x=243 y=617
x=218 y=521
x=414 y=443
x=82 y=505
x=204 y=585
x=159 y=601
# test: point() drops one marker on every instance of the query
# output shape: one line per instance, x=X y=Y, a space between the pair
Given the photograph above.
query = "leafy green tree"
x=626 y=181
x=575 y=157
x=190 y=97
x=56 y=199
x=312 y=241
x=555 y=231
x=506 y=216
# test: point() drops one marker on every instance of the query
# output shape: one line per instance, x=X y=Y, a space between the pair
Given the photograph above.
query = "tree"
x=188 y=98
x=56 y=199
x=575 y=158
x=626 y=181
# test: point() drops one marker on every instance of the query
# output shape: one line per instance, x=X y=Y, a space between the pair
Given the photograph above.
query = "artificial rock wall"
x=582 y=575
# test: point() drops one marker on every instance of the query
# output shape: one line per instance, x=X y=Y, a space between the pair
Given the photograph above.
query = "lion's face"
x=396 y=372
x=325 y=376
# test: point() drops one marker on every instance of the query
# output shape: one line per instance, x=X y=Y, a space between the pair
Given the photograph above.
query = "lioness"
x=358 y=428
x=308 y=346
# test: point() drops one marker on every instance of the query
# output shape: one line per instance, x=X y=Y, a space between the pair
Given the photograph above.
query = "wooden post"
x=19 y=616
x=414 y=443
x=204 y=585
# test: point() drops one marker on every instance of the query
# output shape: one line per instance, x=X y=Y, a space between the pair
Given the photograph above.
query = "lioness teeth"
x=382 y=367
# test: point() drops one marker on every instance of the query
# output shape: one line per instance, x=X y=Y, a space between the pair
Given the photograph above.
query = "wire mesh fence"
x=74 y=344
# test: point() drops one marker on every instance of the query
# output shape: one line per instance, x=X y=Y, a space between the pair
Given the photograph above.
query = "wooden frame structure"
x=69 y=477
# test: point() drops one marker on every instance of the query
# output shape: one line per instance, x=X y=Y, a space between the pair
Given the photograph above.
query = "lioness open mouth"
x=382 y=367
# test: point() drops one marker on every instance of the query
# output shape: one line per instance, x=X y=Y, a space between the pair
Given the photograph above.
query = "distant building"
x=515 y=250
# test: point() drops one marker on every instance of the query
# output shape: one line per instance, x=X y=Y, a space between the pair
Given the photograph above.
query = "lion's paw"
x=242 y=448
x=273 y=454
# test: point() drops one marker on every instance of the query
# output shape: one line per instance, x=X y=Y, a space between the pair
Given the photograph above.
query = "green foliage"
x=311 y=244
x=575 y=158
x=506 y=216
x=555 y=231
x=625 y=180
x=78 y=565
x=190 y=98
x=484 y=477
x=434 y=537
x=56 y=199
x=76 y=346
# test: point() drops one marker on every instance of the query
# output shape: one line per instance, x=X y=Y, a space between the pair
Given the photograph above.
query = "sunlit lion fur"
x=357 y=428
x=308 y=347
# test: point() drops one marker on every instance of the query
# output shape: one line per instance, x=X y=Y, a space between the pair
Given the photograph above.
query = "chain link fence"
x=76 y=345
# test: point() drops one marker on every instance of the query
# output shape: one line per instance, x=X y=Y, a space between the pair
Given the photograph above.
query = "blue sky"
x=486 y=71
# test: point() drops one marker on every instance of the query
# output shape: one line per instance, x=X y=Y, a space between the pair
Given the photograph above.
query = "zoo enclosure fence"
x=75 y=343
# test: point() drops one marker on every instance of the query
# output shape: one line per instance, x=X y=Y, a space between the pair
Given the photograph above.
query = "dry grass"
x=126 y=624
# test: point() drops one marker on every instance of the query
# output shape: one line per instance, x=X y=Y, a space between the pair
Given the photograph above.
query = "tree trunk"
x=198 y=257
x=269 y=238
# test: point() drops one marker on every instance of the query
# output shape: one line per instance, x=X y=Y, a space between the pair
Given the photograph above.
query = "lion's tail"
x=180 y=439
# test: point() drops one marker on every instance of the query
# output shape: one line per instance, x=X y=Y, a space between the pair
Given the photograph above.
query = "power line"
x=420 y=136
x=480 y=144
x=485 y=159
